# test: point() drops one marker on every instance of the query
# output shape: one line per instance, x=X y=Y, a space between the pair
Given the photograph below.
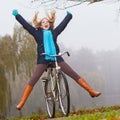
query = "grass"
x=112 y=115
x=103 y=113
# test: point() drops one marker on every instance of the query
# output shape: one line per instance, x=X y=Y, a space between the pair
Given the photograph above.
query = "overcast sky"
x=96 y=26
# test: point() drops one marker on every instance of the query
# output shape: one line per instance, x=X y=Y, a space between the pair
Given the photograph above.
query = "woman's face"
x=45 y=24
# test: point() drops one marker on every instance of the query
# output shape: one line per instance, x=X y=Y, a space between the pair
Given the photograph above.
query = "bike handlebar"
x=59 y=54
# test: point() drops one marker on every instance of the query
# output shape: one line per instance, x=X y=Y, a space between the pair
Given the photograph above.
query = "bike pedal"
x=44 y=79
x=55 y=99
x=49 y=98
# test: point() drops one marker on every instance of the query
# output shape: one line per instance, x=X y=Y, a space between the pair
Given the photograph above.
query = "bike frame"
x=57 y=71
x=52 y=88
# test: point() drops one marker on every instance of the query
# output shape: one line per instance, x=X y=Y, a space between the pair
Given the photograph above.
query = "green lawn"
x=103 y=113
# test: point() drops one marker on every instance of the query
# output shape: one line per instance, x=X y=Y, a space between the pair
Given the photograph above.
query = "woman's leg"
x=36 y=75
x=81 y=81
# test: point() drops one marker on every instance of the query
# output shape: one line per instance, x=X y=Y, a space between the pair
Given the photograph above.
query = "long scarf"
x=49 y=46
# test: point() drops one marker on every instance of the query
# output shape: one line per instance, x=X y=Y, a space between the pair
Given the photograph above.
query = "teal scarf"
x=49 y=46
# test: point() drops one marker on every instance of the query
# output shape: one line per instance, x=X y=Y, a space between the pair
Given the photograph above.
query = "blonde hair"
x=50 y=17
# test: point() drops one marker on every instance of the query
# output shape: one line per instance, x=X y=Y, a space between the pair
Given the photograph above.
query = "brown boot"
x=87 y=87
x=25 y=95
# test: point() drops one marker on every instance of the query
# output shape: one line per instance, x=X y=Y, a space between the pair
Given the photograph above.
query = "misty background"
x=100 y=69
x=93 y=43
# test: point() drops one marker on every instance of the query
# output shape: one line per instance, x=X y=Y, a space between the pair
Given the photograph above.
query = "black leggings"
x=40 y=68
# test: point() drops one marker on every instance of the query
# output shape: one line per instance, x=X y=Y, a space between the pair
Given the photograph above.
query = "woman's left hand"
x=15 y=12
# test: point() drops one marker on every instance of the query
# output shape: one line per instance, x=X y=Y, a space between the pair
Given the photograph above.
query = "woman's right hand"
x=15 y=12
x=68 y=12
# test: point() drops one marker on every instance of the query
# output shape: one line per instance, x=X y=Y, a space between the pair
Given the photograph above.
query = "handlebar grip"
x=68 y=53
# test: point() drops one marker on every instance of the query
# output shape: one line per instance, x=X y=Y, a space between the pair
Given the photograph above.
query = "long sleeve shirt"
x=38 y=33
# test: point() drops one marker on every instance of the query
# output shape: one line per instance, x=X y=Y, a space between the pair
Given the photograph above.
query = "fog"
x=95 y=26
x=100 y=69
x=92 y=38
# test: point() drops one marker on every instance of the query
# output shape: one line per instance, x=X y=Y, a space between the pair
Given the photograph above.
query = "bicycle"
x=55 y=87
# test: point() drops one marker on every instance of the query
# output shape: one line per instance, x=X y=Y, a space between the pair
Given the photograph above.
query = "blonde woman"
x=46 y=38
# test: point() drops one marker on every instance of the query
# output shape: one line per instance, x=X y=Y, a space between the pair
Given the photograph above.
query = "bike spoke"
x=50 y=104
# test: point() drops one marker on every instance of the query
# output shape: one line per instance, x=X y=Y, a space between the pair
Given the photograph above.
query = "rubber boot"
x=25 y=95
x=87 y=87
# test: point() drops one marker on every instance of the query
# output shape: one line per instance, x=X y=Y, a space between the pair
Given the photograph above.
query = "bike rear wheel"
x=50 y=104
x=64 y=95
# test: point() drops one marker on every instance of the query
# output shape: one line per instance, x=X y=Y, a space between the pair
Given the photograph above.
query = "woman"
x=46 y=38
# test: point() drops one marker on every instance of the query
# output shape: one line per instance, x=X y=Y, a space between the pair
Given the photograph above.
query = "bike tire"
x=50 y=104
x=64 y=95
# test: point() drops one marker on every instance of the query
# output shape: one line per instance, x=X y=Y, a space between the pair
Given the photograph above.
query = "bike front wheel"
x=50 y=104
x=64 y=95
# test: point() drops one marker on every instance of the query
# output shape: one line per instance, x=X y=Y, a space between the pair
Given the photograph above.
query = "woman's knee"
x=69 y=71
